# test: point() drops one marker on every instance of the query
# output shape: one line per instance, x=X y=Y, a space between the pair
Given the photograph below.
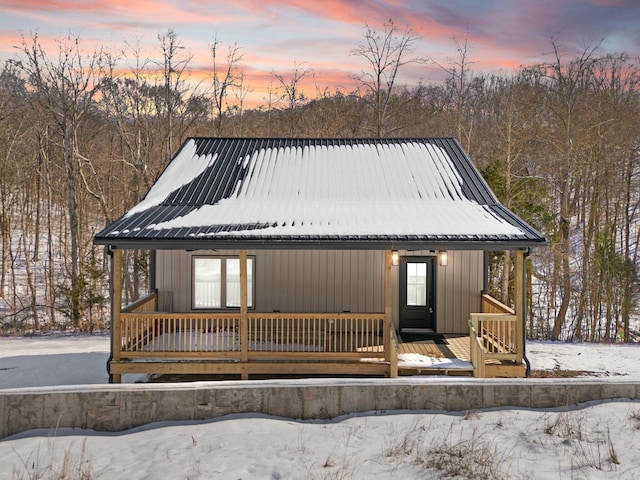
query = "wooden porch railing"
x=155 y=334
x=144 y=332
x=493 y=337
x=270 y=335
x=148 y=303
x=347 y=334
x=515 y=336
x=492 y=305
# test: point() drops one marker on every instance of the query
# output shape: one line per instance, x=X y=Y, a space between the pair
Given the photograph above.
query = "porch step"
x=449 y=372
x=505 y=370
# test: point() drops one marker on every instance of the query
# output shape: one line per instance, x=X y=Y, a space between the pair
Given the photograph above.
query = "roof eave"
x=317 y=244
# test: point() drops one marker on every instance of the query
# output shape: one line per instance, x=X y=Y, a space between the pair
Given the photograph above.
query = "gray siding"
x=332 y=281
x=459 y=290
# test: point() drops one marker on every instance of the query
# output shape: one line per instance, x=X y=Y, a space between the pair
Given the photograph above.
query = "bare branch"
x=385 y=53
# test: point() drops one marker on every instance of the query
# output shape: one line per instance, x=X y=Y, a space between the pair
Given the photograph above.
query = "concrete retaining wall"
x=120 y=407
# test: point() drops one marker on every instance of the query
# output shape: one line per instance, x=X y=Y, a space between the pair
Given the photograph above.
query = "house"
x=315 y=256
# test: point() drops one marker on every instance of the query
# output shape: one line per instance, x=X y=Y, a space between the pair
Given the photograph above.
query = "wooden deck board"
x=460 y=347
x=455 y=347
x=426 y=349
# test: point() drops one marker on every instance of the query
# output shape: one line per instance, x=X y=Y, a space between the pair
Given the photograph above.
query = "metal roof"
x=319 y=193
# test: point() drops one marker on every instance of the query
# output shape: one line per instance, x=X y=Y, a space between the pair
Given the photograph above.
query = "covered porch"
x=244 y=342
x=311 y=225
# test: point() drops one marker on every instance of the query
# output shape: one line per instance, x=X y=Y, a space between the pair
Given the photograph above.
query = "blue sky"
x=276 y=35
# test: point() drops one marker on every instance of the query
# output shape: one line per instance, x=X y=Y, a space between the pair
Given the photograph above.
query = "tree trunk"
x=72 y=211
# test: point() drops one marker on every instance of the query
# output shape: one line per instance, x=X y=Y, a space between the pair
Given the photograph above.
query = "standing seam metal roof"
x=323 y=192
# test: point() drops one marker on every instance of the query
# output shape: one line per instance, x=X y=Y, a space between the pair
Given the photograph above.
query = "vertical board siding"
x=322 y=281
x=339 y=281
x=459 y=288
x=327 y=281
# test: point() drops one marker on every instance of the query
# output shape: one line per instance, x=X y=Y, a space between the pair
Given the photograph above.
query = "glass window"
x=233 y=282
x=216 y=282
x=207 y=275
x=417 y=284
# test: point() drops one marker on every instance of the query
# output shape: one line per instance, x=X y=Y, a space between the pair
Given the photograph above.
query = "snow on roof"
x=184 y=167
x=260 y=188
x=351 y=218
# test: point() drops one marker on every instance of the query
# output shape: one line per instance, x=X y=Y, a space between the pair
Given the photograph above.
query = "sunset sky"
x=320 y=35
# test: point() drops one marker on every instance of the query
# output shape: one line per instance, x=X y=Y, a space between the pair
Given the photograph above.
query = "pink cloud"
x=119 y=14
x=273 y=34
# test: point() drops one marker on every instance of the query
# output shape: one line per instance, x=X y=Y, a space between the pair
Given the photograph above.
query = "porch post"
x=390 y=353
x=116 y=307
x=244 y=322
x=519 y=303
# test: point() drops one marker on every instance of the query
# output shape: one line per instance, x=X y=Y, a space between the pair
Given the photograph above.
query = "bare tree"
x=66 y=89
x=174 y=68
x=18 y=225
x=459 y=83
x=225 y=77
x=617 y=84
x=290 y=90
x=13 y=126
x=333 y=114
x=385 y=53
x=567 y=95
x=241 y=92
x=130 y=102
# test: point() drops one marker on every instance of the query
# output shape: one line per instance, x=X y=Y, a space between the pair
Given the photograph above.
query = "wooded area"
x=82 y=139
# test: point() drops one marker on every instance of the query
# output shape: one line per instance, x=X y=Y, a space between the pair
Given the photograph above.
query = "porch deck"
x=455 y=348
x=448 y=355
x=434 y=355
x=276 y=344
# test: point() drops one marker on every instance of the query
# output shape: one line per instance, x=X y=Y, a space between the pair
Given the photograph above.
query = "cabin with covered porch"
x=318 y=257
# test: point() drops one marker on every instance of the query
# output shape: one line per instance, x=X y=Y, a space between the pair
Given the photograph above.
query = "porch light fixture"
x=443 y=257
x=395 y=258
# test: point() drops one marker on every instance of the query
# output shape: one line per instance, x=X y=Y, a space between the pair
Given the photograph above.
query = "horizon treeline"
x=82 y=141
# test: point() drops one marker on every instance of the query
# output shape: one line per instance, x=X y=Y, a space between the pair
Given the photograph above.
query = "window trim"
x=223 y=282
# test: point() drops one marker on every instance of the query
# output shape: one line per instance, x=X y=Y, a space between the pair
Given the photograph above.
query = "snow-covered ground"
x=81 y=359
x=596 y=440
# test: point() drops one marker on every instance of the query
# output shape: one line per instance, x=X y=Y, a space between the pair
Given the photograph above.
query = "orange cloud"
x=276 y=34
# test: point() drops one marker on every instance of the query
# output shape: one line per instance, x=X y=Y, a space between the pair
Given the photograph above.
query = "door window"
x=417 y=284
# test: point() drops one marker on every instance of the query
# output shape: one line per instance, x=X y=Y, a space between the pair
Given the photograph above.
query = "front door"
x=417 y=293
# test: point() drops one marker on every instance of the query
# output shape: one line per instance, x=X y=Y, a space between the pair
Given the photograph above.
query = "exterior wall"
x=290 y=280
x=460 y=286
x=458 y=289
x=328 y=281
x=320 y=281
